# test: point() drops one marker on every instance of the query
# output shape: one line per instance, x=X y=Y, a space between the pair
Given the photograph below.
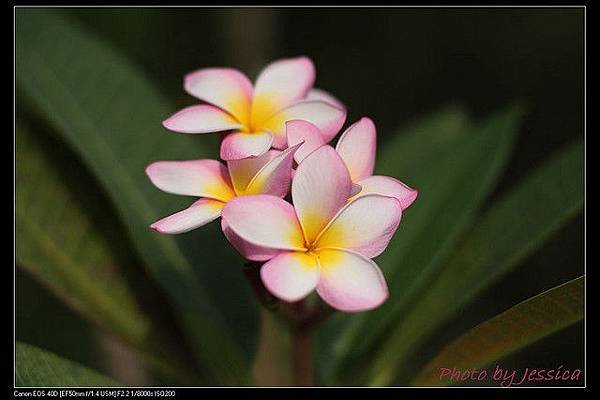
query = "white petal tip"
x=166 y=123
x=288 y=299
x=150 y=171
x=407 y=202
x=156 y=228
x=363 y=306
x=367 y=120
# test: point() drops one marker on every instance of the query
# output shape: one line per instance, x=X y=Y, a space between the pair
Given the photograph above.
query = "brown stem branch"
x=304 y=322
x=303 y=356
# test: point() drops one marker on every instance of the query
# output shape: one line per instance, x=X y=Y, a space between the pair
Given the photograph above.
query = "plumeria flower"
x=357 y=147
x=217 y=184
x=323 y=242
x=253 y=117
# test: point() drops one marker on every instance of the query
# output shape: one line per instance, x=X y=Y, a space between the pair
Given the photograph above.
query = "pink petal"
x=246 y=249
x=291 y=276
x=238 y=145
x=364 y=225
x=299 y=131
x=226 y=88
x=264 y=220
x=280 y=84
x=350 y=282
x=202 y=178
x=357 y=147
x=242 y=171
x=200 y=213
x=275 y=177
x=327 y=118
x=322 y=95
x=202 y=118
x=389 y=186
x=320 y=188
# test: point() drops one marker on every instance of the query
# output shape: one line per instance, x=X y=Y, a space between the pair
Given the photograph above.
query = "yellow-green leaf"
x=515 y=328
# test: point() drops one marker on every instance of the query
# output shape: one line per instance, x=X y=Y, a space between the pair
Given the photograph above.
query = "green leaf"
x=512 y=330
x=454 y=165
x=510 y=230
x=58 y=244
x=66 y=248
x=37 y=367
x=104 y=108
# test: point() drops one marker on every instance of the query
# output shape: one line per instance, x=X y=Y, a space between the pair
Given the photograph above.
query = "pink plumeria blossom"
x=253 y=116
x=357 y=147
x=322 y=242
x=217 y=184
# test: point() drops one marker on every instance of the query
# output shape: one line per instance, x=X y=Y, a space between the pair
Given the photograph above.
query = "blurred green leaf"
x=514 y=329
x=37 y=367
x=64 y=246
x=511 y=229
x=105 y=109
x=38 y=314
x=57 y=243
x=454 y=165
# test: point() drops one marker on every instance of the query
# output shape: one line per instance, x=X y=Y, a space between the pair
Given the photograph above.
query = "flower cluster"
x=315 y=215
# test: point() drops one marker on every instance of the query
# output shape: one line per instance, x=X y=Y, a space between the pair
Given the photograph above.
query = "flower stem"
x=304 y=321
x=301 y=319
x=303 y=356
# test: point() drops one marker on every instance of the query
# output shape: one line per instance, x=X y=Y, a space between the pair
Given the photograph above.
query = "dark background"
x=394 y=65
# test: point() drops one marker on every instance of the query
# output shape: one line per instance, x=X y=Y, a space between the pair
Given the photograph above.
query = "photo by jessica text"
x=507 y=377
